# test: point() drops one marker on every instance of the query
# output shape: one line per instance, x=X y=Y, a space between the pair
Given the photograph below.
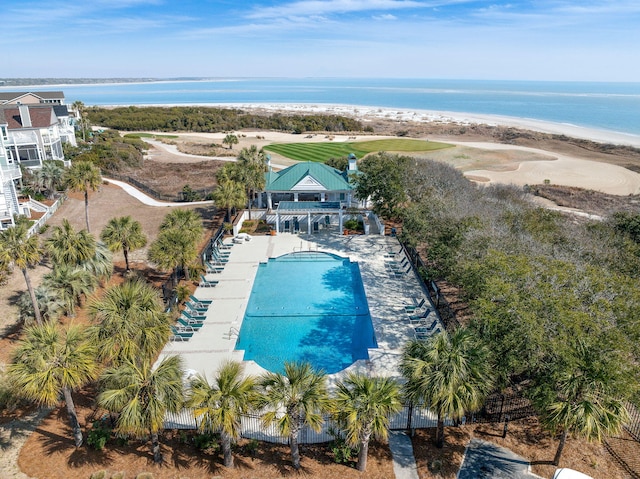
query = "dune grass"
x=321 y=152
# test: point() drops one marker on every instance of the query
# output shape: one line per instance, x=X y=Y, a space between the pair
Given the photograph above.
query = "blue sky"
x=591 y=40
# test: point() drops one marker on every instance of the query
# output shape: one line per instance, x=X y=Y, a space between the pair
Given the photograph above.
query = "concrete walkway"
x=483 y=459
x=404 y=463
x=147 y=200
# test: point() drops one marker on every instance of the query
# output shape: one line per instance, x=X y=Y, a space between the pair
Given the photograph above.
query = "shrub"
x=342 y=452
x=252 y=447
x=99 y=475
x=207 y=442
x=98 y=435
x=353 y=224
x=7 y=395
x=145 y=475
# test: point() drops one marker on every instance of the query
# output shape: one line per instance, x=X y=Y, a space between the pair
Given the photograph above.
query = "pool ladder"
x=232 y=332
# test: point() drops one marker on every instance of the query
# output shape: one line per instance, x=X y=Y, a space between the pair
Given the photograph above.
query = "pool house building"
x=308 y=196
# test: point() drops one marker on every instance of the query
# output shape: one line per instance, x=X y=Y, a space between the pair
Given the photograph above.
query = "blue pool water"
x=307 y=307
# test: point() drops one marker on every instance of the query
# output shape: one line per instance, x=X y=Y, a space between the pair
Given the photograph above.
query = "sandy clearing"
x=587 y=174
x=564 y=170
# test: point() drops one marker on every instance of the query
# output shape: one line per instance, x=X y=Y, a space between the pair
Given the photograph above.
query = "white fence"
x=253 y=427
x=50 y=211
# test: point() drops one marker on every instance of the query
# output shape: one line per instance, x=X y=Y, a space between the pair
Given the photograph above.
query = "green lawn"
x=321 y=152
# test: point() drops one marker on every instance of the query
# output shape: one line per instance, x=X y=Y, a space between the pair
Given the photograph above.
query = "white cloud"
x=385 y=17
x=317 y=7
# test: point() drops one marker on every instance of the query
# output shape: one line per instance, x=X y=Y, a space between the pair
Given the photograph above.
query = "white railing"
x=50 y=211
x=377 y=221
x=255 y=215
x=22 y=138
x=11 y=172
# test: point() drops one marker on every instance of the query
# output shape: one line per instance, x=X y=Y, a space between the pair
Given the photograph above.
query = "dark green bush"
x=342 y=452
x=206 y=442
x=98 y=435
x=353 y=224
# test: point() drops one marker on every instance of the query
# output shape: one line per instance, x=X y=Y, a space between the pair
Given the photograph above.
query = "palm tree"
x=363 y=405
x=142 y=396
x=51 y=362
x=78 y=106
x=83 y=177
x=220 y=406
x=188 y=222
x=69 y=283
x=50 y=176
x=123 y=234
x=23 y=251
x=301 y=392
x=584 y=398
x=101 y=265
x=450 y=374
x=49 y=304
x=130 y=322
x=171 y=250
x=230 y=140
x=252 y=167
x=66 y=246
x=229 y=194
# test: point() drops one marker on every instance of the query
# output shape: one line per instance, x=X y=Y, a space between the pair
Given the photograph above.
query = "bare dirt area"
x=109 y=202
x=182 y=460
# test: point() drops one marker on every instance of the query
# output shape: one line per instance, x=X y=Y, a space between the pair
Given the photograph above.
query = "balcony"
x=11 y=172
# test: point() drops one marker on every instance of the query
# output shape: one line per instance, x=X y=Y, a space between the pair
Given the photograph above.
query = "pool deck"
x=386 y=294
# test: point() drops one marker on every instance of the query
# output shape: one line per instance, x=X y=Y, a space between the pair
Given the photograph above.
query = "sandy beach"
x=367 y=113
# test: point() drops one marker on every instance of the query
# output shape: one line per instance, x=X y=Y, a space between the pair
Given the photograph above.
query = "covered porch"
x=292 y=216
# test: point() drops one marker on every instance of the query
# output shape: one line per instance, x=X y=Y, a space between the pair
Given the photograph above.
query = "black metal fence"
x=503 y=407
x=445 y=312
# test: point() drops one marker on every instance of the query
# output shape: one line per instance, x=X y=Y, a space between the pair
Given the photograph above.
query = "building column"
x=309 y=222
x=269 y=202
x=323 y=197
x=277 y=221
x=295 y=197
x=340 y=222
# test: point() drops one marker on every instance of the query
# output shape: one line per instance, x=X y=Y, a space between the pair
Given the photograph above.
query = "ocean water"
x=604 y=106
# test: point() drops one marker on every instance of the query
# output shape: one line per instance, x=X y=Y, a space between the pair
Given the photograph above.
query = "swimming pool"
x=307 y=306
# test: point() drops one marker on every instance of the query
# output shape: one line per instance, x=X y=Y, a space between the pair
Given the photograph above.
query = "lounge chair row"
x=399 y=271
x=191 y=319
x=207 y=283
x=217 y=257
x=419 y=312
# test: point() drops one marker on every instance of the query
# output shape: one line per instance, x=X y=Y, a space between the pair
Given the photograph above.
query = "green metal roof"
x=330 y=178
